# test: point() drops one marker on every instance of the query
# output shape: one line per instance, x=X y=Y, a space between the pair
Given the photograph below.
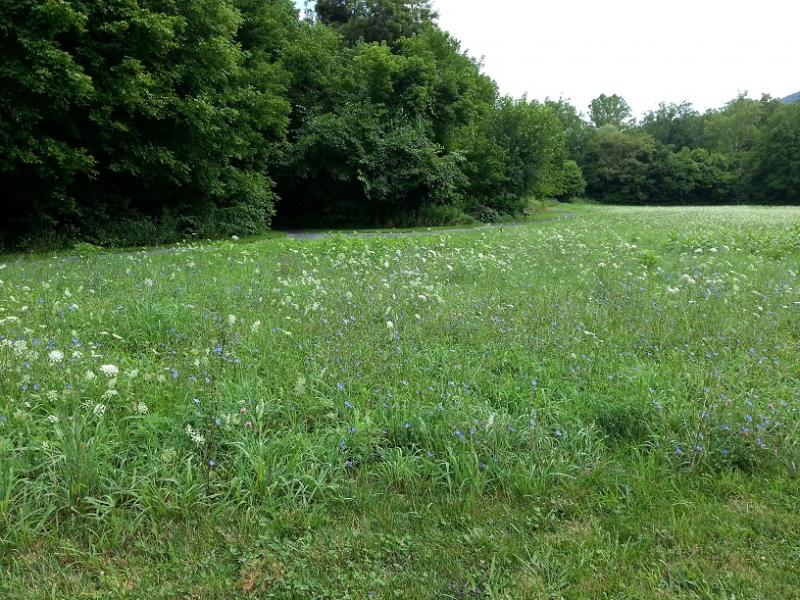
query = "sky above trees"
x=705 y=51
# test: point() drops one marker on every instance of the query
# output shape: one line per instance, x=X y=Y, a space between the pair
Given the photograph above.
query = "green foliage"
x=375 y=20
x=572 y=185
x=617 y=164
x=610 y=110
x=362 y=166
x=146 y=121
x=139 y=110
x=776 y=157
x=676 y=125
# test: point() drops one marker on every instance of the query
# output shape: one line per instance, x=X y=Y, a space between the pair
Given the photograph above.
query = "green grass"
x=604 y=406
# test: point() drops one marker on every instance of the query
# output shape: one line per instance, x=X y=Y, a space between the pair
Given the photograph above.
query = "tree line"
x=142 y=121
x=745 y=152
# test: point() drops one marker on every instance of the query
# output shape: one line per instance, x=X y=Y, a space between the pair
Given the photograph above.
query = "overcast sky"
x=703 y=51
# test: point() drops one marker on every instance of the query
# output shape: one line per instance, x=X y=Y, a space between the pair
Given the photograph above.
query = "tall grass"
x=562 y=380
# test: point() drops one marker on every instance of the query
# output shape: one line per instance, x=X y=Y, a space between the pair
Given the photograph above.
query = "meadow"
x=600 y=405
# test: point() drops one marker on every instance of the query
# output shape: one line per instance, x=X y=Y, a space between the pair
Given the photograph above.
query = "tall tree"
x=677 y=125
x=776 y=157
x=375 y=20
x=139 y=110
x=610 y=110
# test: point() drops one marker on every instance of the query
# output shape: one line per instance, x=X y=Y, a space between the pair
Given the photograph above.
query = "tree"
x=363 y=166
x=617 y=165
x=576 y=129
x=521 y=151
x=776 y=157
x=610 y=110
x=138 y=112
x=734 y=131
x=676 y=125
x=375 y=20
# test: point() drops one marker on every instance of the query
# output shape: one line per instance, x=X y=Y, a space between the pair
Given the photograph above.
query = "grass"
x=605 y=406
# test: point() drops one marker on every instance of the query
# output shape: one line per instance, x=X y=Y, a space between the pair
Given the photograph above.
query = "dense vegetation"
x=746 y=152
x=605 y=406
x=134 y=121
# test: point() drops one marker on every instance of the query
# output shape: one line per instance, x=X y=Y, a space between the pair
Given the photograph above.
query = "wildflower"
x=255 y=326
x=55 y=356
x=231 y=320
x=52 y=419
x=194 y=435
x=99 y=409
x=141 y=408
x=109 y=370
x=348 y=405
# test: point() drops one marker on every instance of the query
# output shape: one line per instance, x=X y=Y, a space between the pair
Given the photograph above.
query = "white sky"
x=647 y=51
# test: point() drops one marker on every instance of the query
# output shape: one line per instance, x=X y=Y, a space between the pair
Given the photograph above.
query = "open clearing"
x=605 y=406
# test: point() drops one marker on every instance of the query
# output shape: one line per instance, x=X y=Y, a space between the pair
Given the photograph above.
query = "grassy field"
x=601 y=406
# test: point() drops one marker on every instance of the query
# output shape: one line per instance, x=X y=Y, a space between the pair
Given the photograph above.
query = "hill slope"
x=793 y=98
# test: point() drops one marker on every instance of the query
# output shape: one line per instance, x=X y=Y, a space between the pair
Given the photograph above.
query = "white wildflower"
x=109 y=370
x=99 y=409
x=141 y=408
x=55 y=356
x=231 y=320
x=89 y=375
x=255 y=326
x=197 y=437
